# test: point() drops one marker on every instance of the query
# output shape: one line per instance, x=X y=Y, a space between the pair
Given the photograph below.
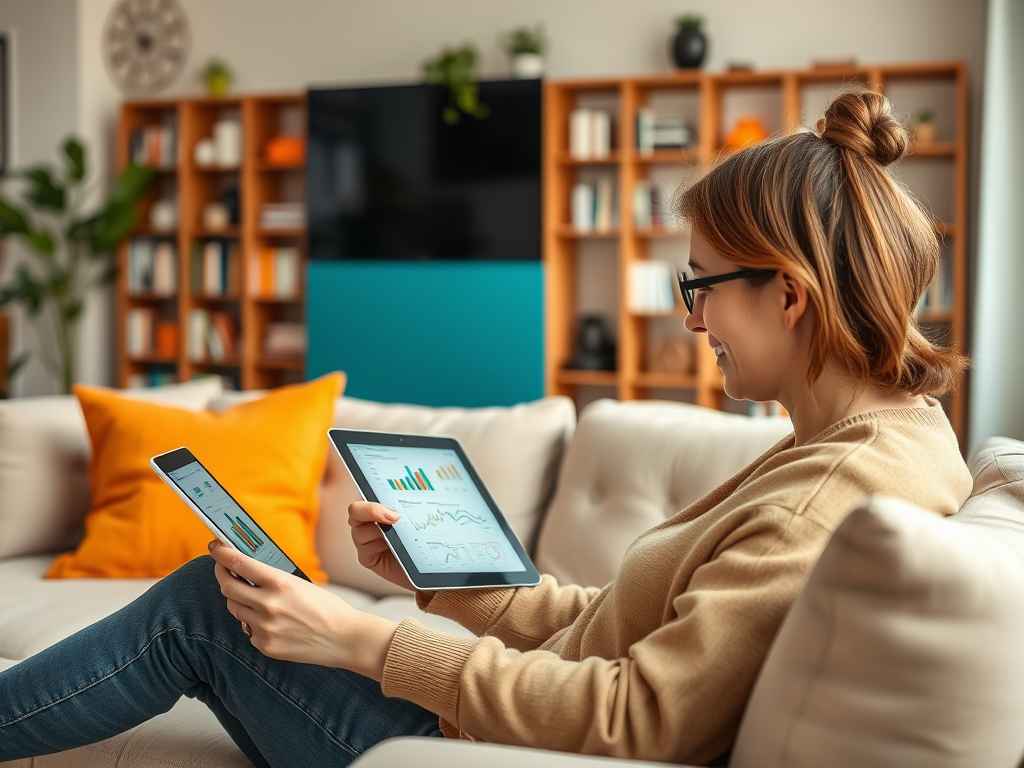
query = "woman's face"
x=743 y=326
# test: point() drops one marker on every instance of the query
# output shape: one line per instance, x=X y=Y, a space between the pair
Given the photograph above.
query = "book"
x=583 y=207
x=601 y=138
x=651 y=287
x=581 y=134
x=604 y=204
x=165 y=269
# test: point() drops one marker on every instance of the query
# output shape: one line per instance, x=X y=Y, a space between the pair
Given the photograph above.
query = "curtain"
x=997 y=380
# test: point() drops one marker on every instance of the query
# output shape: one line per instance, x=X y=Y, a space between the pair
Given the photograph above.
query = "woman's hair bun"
x=862 y=122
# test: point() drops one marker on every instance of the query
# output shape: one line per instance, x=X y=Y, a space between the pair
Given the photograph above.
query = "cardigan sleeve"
x=671 y=698
x=522 y=618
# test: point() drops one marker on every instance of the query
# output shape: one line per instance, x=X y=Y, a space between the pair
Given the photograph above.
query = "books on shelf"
x=152 y=267
x=284 y=340
x=651 y=203
x=654 y=133
x=212 y=336
x=147 y=334
x=651 y=287
x=155 y=146
x=282 y=215
x=590 y=134
x=216 y=268
x=276 y=273
x=938 y=297
x=594 y=206
x=152 y=379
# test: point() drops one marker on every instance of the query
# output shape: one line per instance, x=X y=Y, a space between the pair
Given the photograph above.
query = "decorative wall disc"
x=145 y=44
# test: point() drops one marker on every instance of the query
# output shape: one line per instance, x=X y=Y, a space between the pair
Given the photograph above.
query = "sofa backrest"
x=632 y=465
x=516 y=450
x=44 y=465
x=904 y=648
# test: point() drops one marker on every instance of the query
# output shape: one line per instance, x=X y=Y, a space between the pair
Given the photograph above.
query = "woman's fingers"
x=364 y=512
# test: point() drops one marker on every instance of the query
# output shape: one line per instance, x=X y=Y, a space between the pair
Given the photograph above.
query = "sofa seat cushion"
x=631 y=466
x=904 y=647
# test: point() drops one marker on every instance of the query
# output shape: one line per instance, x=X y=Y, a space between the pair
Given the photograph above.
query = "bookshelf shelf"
x=234 y=321
x=710 y=104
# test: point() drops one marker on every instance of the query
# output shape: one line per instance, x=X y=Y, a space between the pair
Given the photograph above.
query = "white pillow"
x=44 y=465
x=632 y=465
x=905 y=647
x=516 y=450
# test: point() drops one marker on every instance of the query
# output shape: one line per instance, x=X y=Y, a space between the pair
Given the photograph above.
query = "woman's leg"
x=179 y=639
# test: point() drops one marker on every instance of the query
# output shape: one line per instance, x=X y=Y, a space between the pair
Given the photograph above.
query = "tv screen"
x=388 y=178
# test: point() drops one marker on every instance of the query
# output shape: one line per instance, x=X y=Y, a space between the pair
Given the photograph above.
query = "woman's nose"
x=694 y=321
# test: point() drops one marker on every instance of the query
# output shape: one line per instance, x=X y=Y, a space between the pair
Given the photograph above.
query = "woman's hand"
x=294 y=620
x=372 y=549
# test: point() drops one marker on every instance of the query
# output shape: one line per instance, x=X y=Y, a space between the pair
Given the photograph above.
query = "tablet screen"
x=446 y=524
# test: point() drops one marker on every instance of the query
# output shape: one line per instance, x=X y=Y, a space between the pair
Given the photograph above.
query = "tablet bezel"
x=530 y=577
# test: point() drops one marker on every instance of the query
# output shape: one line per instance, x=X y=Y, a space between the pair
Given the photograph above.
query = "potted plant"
x=689 y=46
x=456 y=69
x=70 y=251
x=526 y=48
x=925 y=131
x=217 y=77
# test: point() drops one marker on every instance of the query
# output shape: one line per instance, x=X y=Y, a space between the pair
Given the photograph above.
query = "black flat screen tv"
x=388 y=178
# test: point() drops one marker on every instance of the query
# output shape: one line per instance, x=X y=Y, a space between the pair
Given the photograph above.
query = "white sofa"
x=902 y=648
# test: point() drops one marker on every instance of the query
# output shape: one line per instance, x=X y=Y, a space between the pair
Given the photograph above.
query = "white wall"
x=288 y=44
x=43 y=106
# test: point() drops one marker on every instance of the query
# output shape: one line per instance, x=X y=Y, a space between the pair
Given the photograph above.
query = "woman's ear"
x=794 y=299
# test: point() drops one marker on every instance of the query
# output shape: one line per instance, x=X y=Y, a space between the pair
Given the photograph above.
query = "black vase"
x=689 y=47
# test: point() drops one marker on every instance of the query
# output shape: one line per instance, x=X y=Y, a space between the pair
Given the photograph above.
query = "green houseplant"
x=70 y=250
x=456 y=68
x=526 y=47
x=217 y=76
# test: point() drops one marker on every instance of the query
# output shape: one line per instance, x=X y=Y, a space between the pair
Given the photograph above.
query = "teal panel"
x=430 y=333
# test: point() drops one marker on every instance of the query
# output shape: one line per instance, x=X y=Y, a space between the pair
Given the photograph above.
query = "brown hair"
x=825 y=210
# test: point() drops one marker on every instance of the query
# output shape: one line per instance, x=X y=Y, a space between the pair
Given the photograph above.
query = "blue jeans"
x=179 y=639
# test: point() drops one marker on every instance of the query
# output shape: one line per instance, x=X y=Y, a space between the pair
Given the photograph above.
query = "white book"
x=645 y=130
x=215 y=343
x=583 y=207
x=642 y=211
x=198 y=329
x=601 y=143
x=165 y=273
x=286 y=271
x=581 y=134
x=604 y=204
x=212 y=269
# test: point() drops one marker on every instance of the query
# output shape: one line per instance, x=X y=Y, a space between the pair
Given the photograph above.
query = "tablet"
x=451 y=534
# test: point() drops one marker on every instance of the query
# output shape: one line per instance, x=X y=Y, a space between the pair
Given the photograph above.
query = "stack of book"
x=590 y=134
x=155 y=146
x=276 y=275
x=594 y=207
x=282 y=215
x=654 y=133
x=216 y=268
x=212 y=336
x=651 y=288
x=146 y=334
x=284 y=340
x=152 y=267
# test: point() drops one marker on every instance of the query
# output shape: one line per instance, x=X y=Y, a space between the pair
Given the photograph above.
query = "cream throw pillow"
x=905 y=648
x=44 y=465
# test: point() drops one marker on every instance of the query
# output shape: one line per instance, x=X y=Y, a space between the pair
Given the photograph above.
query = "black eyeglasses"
x=688 y=286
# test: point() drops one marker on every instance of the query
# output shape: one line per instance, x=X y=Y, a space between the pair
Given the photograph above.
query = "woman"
x=809 y=262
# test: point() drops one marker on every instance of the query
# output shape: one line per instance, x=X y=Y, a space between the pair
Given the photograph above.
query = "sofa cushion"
x=516 y=450
x=269 y=454
x=632 y=465
x=44 y=462
x=904 y=647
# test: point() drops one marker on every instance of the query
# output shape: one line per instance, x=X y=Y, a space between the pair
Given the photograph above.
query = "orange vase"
x=747 y=131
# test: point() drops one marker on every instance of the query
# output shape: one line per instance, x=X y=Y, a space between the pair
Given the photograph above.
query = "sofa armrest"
x=453 y=753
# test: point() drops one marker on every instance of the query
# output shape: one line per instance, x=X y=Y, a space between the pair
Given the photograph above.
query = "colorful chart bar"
x=448 y=473
x=243 y=533
x=413 y=481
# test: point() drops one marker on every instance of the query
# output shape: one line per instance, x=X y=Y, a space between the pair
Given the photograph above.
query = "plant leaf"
x=17 y=364
x=12 y=220
x=73 y=311
x=107 y=276
x=129 y=185
x=43 y=190
x=23 y=289
x=74 y=159
x=41 y=242
x=115 y=222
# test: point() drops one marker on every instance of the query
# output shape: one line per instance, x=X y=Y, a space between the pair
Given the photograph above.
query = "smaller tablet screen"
x=446 y=525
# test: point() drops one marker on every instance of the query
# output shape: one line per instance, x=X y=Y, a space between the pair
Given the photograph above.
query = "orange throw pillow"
x=269 y=454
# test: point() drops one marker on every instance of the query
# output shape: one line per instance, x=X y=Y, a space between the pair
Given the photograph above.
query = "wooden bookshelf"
x=786 y=101
x=193 y=187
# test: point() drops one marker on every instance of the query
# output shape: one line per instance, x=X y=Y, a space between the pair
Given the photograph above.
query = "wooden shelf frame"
x=561 y=242
x=262 y=117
